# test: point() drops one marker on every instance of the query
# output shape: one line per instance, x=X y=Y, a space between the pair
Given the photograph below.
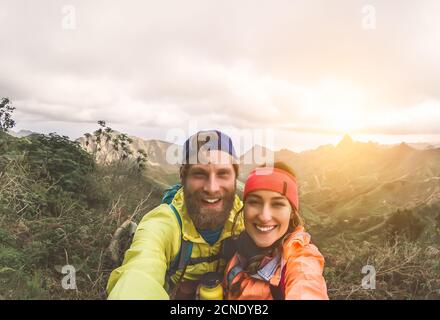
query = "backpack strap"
x=183 y=256
x=169 y=193
x=229 y=248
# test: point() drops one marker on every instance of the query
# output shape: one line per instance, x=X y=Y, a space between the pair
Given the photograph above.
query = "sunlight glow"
x=339 y=106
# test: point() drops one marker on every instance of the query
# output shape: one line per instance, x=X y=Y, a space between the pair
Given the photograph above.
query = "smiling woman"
x=274 y=258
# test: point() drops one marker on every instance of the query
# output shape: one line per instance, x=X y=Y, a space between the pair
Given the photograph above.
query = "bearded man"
x=176 y=243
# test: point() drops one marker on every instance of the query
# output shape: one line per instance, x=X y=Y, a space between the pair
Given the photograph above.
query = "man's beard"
x=206 y=218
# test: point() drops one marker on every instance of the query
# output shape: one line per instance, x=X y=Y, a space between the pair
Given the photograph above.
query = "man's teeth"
x=211 y=200
x=265 y=229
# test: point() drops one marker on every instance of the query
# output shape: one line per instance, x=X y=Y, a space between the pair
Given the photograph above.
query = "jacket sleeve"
x=303 y=277
x=142 y=274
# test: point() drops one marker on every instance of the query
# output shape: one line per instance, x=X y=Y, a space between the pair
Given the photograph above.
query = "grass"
x=48 y=222
x=58 y=207
x=404 y=269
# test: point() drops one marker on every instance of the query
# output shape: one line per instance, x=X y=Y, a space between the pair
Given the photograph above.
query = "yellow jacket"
x=156 y=243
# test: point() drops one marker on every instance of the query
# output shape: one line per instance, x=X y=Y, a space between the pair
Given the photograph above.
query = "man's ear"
x=182 y=174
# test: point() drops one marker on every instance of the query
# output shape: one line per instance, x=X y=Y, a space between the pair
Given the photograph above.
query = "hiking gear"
x=273 y=179
x=210 y=287
x=159 y=252
x=294 y=272
x=209 y=140
x=183 y=258
x=211 y=236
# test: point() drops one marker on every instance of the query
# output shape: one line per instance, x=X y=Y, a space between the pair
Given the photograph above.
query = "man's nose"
x=212 y=185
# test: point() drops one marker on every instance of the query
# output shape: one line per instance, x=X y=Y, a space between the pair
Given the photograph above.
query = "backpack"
x=183 y=257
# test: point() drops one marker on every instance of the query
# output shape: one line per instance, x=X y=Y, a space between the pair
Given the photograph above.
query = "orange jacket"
x=303 y=266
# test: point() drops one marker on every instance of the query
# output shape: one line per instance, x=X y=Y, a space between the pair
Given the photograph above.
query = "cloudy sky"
x=309 y=71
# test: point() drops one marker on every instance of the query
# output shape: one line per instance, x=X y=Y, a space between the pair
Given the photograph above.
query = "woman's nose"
x=265 y=215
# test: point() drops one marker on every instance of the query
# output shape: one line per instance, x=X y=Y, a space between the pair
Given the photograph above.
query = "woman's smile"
x=265 y=228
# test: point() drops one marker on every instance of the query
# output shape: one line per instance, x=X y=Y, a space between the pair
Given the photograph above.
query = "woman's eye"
x=278 y=204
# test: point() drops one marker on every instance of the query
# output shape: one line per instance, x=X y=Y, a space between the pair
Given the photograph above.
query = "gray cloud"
x=248 y=64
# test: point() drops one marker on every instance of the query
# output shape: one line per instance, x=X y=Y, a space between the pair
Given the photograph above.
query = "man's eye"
x=198 y=175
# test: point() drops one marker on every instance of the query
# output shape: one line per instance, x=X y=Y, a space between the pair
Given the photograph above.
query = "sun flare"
x=339 y=106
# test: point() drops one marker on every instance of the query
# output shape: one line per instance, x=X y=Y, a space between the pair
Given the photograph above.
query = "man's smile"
x=211 y=202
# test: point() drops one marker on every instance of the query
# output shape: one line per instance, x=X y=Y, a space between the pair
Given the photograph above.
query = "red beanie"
x=273 y=179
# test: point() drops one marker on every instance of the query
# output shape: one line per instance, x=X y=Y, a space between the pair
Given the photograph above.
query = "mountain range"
x=357 y=186
x=352 y=182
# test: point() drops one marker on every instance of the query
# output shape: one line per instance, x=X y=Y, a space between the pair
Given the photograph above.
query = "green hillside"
x=58 y=207
x=362 y=203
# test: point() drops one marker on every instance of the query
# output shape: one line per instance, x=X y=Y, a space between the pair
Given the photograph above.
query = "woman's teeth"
x=265 y=229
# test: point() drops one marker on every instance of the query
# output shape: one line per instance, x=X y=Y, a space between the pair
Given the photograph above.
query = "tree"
x=57 y=159
x=6 y=110
x=106 y=141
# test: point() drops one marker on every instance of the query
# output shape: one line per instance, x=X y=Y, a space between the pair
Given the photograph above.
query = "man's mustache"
x=210 y=196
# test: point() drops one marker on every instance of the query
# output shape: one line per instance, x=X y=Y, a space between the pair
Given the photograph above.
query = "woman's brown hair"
x=295 y=218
